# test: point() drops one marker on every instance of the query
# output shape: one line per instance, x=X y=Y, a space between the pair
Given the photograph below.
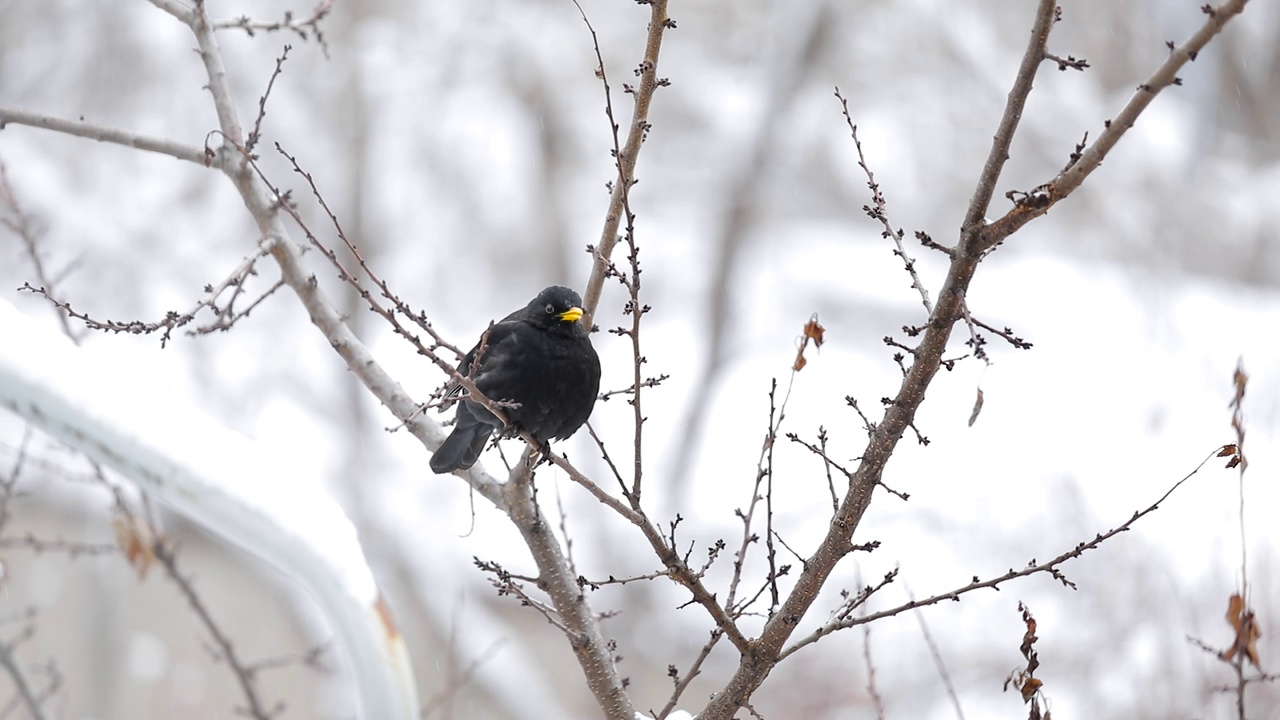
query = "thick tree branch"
x=975 y=217
x=579 y=620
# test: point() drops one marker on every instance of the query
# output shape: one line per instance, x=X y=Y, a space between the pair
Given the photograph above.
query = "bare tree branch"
x=164 y=553
x=975 y=217
x=1032 y=568
x=625 y=161
x=1049 y=194
x=975 y=238
x=105 y=134
x=305 y=28
x=514 y=497
x=878 y=210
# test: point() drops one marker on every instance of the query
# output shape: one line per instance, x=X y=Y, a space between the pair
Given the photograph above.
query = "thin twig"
x=461 y=680
x=24 y=226
x=872 y=690
x=938 y=662
x=1049 y=194
x=597 y=584
x=682 y=683
x=256 y=133
x=225 y=316
x=310 y=24
x=678 y=569
x=878 y=210
x=167 y=558
x=21 y=683
x=1032 y=568
x=625 y=158
x=73 y=548
x=876 y=701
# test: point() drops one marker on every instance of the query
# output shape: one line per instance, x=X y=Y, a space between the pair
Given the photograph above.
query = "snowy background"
x=465 y=149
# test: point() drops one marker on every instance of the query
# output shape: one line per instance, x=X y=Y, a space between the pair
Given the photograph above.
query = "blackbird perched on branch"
x=539 y=364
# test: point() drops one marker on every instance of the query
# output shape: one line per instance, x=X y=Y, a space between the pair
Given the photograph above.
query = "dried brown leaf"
x=814 y=331
x=1244 y=622
x=136 y=543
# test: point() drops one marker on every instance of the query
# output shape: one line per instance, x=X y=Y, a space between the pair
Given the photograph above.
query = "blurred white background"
x=465 y=149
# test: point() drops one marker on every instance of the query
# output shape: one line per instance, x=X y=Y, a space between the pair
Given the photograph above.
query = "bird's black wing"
x=494 y=336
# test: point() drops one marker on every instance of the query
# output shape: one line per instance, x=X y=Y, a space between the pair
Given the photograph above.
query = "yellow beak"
x=571 y=315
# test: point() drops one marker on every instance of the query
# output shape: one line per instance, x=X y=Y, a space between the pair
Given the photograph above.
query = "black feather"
x=540 y=357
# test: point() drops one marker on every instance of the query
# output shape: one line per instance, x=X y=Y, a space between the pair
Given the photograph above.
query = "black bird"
x=540 y=357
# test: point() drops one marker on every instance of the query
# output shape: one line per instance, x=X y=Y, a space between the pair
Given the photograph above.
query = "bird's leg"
x=541 y=454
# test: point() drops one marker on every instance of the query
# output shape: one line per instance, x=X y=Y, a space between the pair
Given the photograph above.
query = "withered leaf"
x=814 y=330
x=135 y=542
x=1244 y=622
x=1029 y=688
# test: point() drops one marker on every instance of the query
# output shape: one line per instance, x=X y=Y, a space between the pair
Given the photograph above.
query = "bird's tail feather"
x=462 y=448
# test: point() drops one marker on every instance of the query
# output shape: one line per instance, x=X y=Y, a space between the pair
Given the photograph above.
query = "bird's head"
x=555 y=305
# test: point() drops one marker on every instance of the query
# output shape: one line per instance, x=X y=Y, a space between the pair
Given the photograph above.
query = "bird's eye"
x=550 y=308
